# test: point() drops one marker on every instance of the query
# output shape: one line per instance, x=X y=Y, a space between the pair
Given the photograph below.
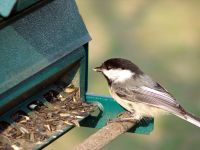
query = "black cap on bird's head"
x=118 y=70
x=119 y=63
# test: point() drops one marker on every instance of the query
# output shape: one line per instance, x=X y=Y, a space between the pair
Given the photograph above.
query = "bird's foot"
x=127 y=112
x=131 y=117
x=121 y=120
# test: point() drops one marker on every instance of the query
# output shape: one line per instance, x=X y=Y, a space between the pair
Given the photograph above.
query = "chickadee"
x=138 y=93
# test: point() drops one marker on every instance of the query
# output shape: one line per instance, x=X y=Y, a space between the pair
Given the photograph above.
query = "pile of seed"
x=46 y=117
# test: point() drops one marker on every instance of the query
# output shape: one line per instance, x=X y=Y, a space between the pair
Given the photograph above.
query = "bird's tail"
x=191 y=118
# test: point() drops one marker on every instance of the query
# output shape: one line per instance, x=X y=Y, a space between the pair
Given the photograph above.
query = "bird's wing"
x=150 y=97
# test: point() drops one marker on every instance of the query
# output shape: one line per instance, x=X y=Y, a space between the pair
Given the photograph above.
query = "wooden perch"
x=107 y=134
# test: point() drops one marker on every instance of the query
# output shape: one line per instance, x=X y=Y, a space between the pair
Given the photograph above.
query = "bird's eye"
x=109 y=67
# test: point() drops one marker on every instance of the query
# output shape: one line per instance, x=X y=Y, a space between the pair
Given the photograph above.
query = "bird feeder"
x=44 y=62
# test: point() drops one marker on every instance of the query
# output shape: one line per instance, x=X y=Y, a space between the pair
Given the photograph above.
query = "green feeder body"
x=42 y=44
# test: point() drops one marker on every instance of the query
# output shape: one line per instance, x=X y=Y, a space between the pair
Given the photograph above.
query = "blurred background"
x=163 y=38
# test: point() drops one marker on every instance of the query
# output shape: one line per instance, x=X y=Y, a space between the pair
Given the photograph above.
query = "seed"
x=64 y=114
x=69 y=90
x=48 y=127
x=15 y=147
x=32 y=106
x=23 y=130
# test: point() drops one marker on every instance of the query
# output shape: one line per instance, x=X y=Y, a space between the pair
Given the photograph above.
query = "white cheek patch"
x=118 y=74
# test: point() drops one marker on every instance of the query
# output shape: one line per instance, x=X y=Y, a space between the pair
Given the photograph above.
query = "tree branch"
x=107 y=134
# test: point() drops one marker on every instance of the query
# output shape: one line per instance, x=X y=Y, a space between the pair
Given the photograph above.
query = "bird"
x=138 y=93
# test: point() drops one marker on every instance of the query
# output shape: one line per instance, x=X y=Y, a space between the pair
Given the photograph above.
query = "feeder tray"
x=44 y=118
x=44 y=62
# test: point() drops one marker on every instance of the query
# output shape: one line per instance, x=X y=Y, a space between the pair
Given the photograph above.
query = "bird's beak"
x=98 y=69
